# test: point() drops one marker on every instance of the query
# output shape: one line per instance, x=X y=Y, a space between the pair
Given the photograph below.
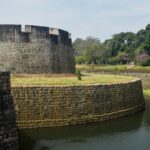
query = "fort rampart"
x=35 y=49
x=8 y=129
x=50 y=106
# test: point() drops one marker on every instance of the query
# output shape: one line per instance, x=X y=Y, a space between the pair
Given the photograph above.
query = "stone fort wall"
x=35 y=49
x=8 y=130
x=50 y=106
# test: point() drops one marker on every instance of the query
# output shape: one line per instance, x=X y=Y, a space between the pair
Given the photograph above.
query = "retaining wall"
x=50 y=106
x=8 y=129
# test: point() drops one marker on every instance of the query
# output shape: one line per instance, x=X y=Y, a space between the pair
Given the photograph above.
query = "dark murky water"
x=129 y=133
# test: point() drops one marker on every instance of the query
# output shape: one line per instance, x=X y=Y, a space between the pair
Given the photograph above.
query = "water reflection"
x=104 y=135
x=146 y=117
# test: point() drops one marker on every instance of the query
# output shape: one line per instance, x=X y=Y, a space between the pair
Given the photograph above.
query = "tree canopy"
x=122 y=48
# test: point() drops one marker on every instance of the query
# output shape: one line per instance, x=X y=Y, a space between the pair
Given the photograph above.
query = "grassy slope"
x=86 y=79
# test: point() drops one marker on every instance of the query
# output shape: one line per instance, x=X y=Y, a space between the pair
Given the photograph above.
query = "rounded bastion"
x=59 y=105
x=35 y=49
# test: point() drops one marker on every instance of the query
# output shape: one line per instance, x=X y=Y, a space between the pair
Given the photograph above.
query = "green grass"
x=147 y=92
x=72 y=80
x=113 y=68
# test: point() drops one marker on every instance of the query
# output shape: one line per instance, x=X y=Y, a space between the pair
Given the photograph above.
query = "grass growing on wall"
x=71 y=80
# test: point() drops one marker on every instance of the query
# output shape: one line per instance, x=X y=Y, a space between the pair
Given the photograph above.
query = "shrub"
x=79 y=75
x=80 y=59
x=145 y=62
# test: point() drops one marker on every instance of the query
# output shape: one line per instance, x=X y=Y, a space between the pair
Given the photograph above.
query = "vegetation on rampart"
x=72 y=80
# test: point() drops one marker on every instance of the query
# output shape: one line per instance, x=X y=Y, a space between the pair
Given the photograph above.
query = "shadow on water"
x=43 y=139
x=146 y=117
x=128 y=133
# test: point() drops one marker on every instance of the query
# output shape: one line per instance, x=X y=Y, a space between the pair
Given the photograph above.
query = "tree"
x=121 y=48
x=90 y=51
x=147 y=43
x=122 y=42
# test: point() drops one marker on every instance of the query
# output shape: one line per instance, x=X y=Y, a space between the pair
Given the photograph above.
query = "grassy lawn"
x=147 y=92
x=69 y=80
x=113 y=68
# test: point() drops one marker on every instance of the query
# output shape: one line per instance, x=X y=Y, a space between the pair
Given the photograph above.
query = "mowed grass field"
x=18 y=80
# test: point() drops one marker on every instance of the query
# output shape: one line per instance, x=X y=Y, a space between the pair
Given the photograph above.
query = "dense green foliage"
x=90 y=51
x=122 y=48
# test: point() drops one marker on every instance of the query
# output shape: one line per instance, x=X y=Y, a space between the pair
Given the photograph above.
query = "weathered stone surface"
x=8 y=129
x=51 y=106
x=36 y=50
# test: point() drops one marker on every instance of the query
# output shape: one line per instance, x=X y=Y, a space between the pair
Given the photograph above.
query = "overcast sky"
x=98 y=18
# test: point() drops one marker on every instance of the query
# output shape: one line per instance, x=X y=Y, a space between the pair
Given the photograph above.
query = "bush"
x=113 y=61
x=145 y=62
x=79 y=75
x=80 y=60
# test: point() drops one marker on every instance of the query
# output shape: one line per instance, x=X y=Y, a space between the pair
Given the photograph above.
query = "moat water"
x=129 y=133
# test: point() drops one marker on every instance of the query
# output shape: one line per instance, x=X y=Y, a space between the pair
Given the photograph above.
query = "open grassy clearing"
x=71 y=80
x=113 y=68
x=136 y=71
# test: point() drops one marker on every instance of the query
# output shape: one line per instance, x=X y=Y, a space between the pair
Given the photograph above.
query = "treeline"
x=122 y=48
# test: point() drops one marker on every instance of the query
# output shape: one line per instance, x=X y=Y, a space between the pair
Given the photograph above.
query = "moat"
x=127 y=133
